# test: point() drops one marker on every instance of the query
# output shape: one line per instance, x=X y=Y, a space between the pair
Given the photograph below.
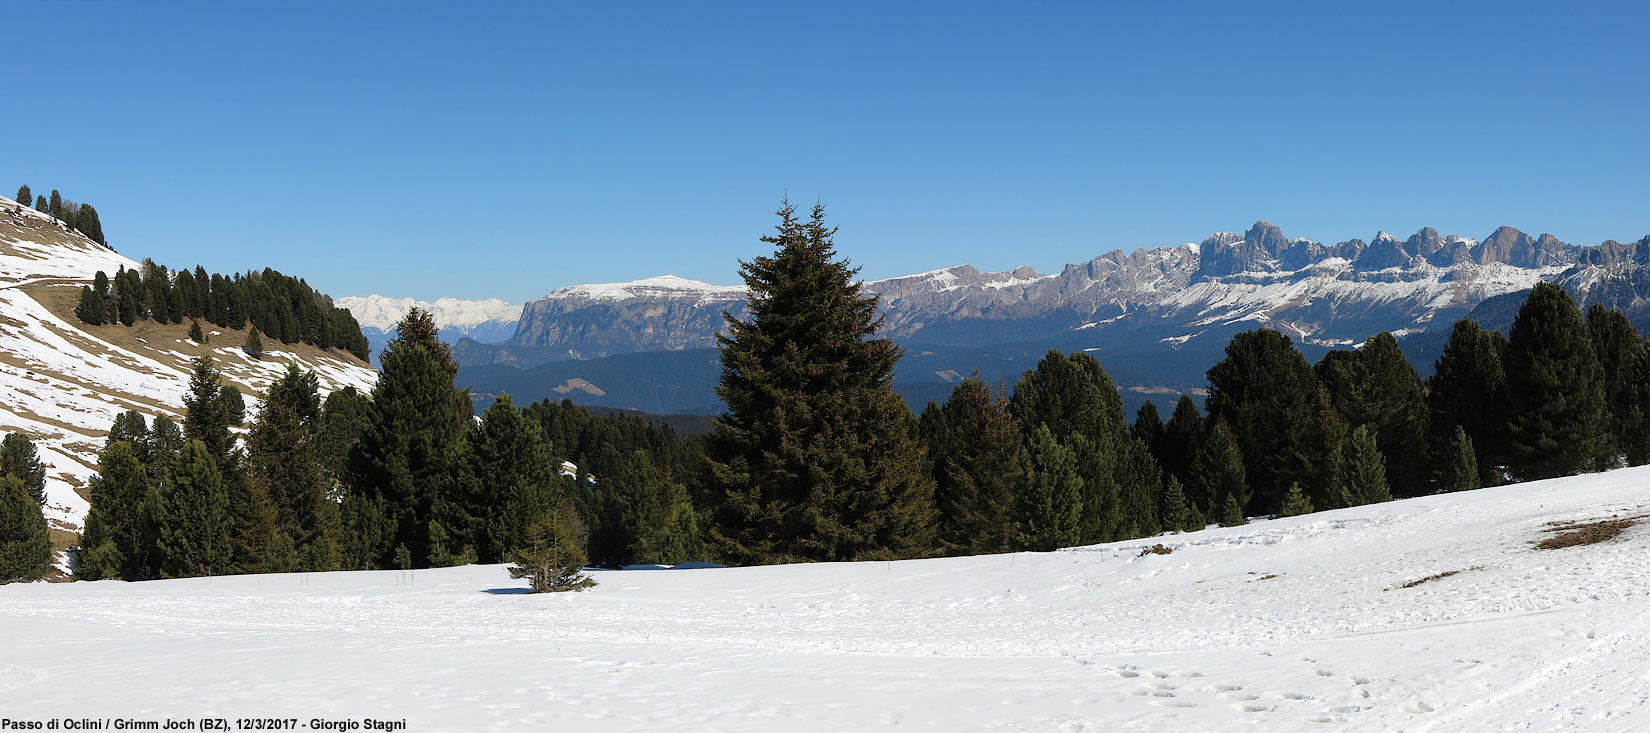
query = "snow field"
x=1289 y=624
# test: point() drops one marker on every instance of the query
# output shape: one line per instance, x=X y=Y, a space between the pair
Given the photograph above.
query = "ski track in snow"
x=1288 y=624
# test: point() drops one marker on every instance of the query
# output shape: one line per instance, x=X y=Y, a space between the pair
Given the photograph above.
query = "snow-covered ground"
x=1289 y=624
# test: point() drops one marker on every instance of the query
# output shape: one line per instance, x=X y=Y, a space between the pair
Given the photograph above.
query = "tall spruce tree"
x=55 y=205
x=1618 y=347
x=282 y=455
x=1051 y=499
x=1468 y=389
x=87 y=223
x=1555 y=387
x=1463 y=466
x=402 y=465
x=1217 y=470
x=817 y=456
x=91 y=308
x=1139 y=492
x=1376 y=386
x=517 y=478
x=24 y=195
x=18 y=458
x=25 y=545
x=1076 y=399
x=1181 y=437
x=195 y=521
x=974 y=445
x=1267 y=393
x=40 y=204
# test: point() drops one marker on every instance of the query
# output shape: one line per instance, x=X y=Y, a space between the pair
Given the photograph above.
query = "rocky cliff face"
x=1163 y=298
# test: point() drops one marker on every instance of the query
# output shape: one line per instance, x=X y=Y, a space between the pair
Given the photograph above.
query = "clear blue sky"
x=503 y=149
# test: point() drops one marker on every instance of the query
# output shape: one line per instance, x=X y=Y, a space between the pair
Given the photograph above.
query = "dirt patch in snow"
x=1573 y=534
x=1156 y=550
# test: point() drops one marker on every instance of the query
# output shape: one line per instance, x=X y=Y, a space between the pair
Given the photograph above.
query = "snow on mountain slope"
x=1345 y=620
x=62 y=382
x=382 y=313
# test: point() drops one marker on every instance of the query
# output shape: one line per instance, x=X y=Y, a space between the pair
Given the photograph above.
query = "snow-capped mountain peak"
x=382 y=312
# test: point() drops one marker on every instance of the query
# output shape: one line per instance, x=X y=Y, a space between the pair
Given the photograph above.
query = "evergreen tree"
x=1468 y=389
x=1182 y=436
x=40 y=204
x=1217 y=470
x=344 y=417
x=645 y=517
x=552 y=560
x=121 y=528
x=55 y=207
x=1618 y=345
x=1559 y=423
x=207 y=417
x=1177 y=513
x=1231 y=512
x=194 y=520
x=1051 y=499
x=1148 y=427
x=128 y=301
x=25 y=546
x=1076 y=399
x=195 y=333
x=254 y=346
x=24 y=195
x=1295 y=503
x=283 y=459
x=1463 y=474
x=518 y=479
x=19 y=459
x=1267 y=393
x=87 y=223
x=91 y=308
x=817 y=455
x=1140 y=487
x=401 y=465
x=974 y=445
x=1360 y=474
x=1376 y=386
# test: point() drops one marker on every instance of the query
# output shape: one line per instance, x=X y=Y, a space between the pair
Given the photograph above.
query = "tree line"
x=78 y=217
x=817 y=459
x=283 y=307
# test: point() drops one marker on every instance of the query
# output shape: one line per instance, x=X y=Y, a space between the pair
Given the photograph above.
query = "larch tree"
x=816 y=456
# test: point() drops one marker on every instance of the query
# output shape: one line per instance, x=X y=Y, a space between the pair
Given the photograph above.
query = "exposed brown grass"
x=1156 y=550
x=1591 y=533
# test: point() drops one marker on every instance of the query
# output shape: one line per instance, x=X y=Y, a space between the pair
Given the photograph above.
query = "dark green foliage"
x=129 y=426
x=195 y=521
x=254 y=346
x=1360 y=473
x=404 y=462
x=974 y=446
x=283 y=461
x=207 y=417
x=1295 y=503
x=195 y=333
x=19 y=459
x=1376 y=386
x=552 y=560
x=1051 y=494
x=1148 y=427
x=278 y=306
x=24 y=195
x=1139 y=490
x=1559 y=423
x=91 y=308
x=1463 y=466
x=25 y=546
x=644 y=518
x=1231 y=512
x=516 y=476
x=1620 y=356
x=87 y=223
x=817 y=456
x=1182 y=436
x=1266 y=392
x=1177 y=513
x=55 y=205
x=1468 y=389
x=121 y=530
x=40 y=204
x=1071 y=395
x=1217 y=470
x=346 y=414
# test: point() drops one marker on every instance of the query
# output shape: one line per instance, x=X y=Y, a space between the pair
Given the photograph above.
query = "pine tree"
x=1076 y=399
x=1463 y=474
x=1217 y=470
x=25 y=545
x=1177 y=513
x=1468 y=389
x=1555 y=387
x=1617 y=345
x=1139 y=491
x=283 y=459
x=121 y=529
x=1361 y=471
x=1267 y=393
x=40 y=204
x=1051 y=499
x=1376 y=386
x=1148 y=427
x=55 y=207
x=1231 y=512
x=817 y=455
x=974 y=445
x=207 y=417
x=195 y=519
x=24 y=196
x=91 y=308
x=552 y=559
x=195 y=333
x=517 y=477
x=1182 y=436
x=19 y=459
x=87 y=223
x=1295 y=503
x=254 y=346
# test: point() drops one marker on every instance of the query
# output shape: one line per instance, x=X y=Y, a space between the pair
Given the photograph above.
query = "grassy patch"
x=1156 y=550
x=1573 y=534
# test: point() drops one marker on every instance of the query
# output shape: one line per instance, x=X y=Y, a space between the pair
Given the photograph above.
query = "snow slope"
x=62 y=383
x=1289 y=624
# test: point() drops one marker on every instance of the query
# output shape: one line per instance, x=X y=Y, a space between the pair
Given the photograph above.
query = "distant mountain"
x=1156 y=318
x=485 y=321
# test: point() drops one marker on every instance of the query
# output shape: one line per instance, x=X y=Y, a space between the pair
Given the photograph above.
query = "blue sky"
x=501 y=149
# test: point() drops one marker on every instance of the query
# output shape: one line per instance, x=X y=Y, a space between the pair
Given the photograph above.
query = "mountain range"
x=1156 y=318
